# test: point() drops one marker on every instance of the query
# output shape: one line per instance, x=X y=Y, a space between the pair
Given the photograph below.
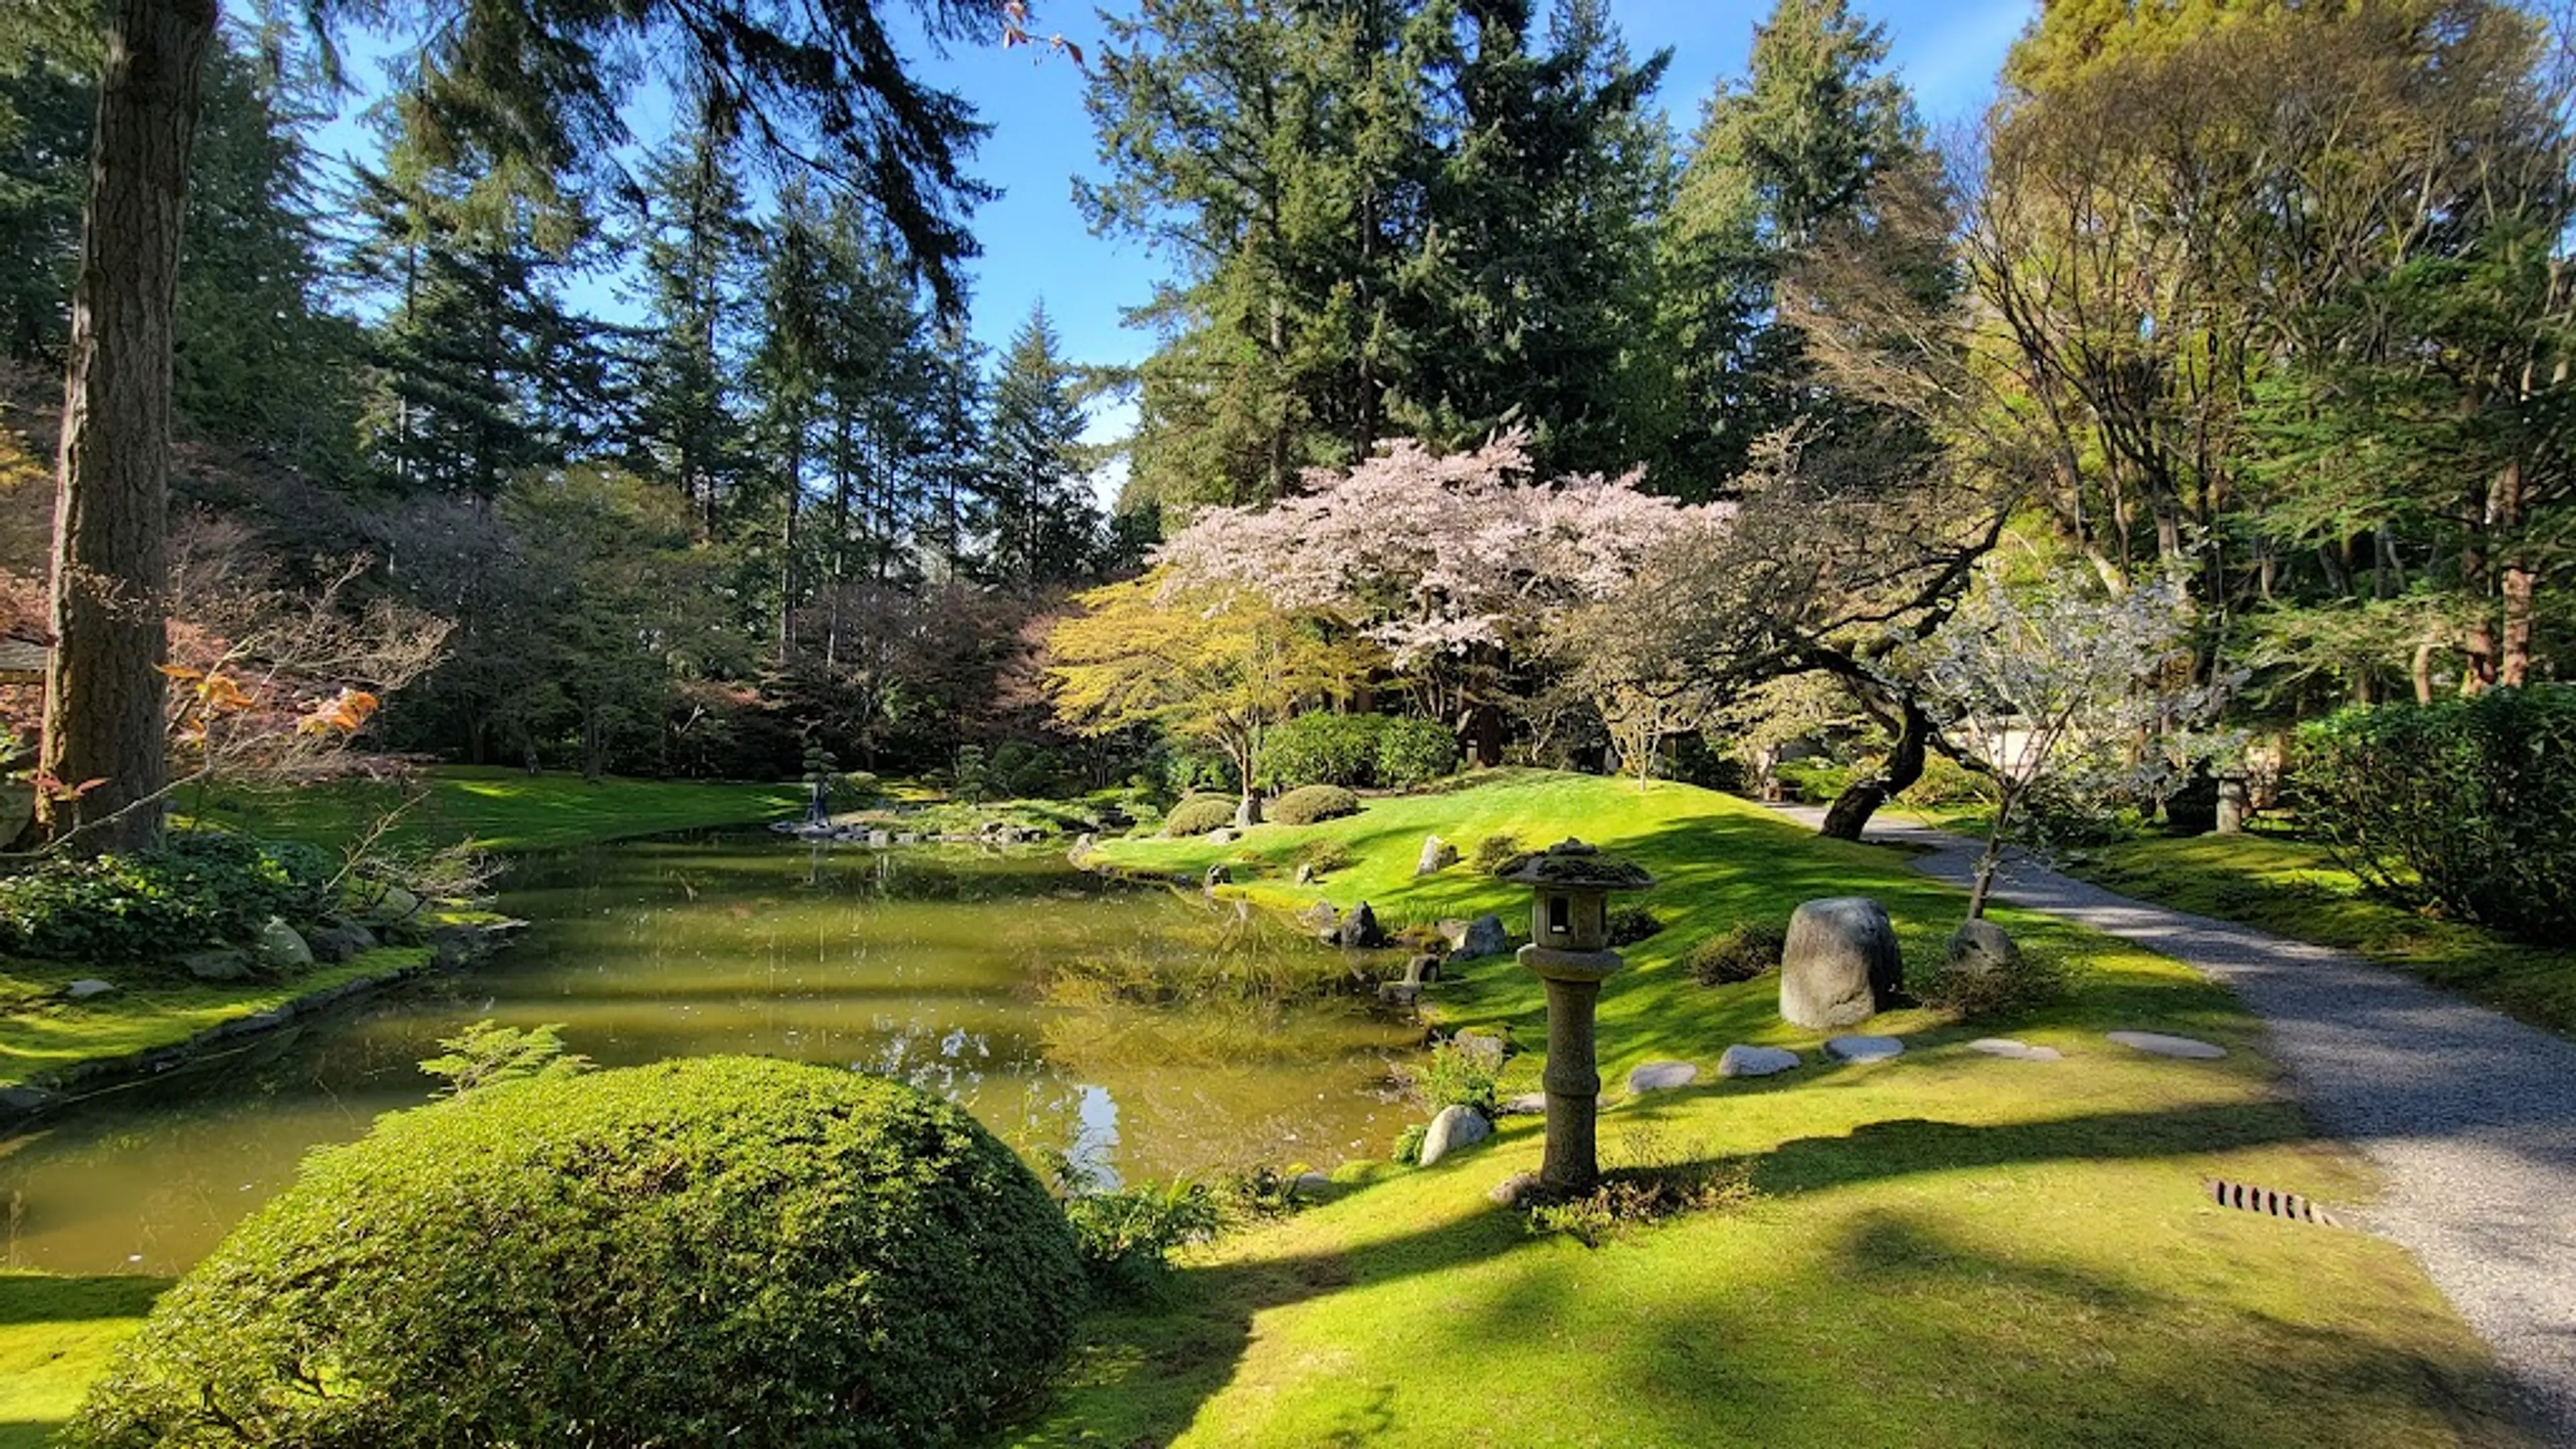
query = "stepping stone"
x=1657 y=1076
x=2156 y=1043
x=1755 y=1061
x=1527 y=1104
x=2020 y=1051
x=1863 y=1048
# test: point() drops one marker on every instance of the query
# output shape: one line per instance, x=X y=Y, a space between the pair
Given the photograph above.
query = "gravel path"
x=2470 y=1116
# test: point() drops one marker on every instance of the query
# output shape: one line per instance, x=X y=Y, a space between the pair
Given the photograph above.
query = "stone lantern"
x=1569 y=949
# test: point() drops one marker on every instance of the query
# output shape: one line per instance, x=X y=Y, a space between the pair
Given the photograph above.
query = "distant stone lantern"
x=1569 y=949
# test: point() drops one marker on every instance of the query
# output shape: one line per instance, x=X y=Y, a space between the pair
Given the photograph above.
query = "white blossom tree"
x=2065 y=688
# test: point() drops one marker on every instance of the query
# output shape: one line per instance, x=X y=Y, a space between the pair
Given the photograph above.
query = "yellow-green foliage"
x=1311 y=804
x=1945 y=1249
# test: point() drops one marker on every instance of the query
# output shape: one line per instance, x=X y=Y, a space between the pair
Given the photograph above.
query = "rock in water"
x=1755 y=1061
x=1437 y=855
x=1217 y=875
x=1454 y=1128
x=1360 y=930
x=1662 y=1076
x=280 y=949
x=1863 y=1048
x=1840 y=963
x=1980 y=947
x=1324 y=921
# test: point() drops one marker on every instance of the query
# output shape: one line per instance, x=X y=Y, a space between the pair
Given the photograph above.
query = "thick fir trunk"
x=1849 y=815
x=103 y=690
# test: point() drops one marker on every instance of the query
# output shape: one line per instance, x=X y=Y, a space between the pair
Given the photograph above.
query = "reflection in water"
x=922 y=965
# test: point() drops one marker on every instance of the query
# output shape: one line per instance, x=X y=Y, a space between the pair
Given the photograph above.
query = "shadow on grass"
x=1896 y=1298
x=41 y=1298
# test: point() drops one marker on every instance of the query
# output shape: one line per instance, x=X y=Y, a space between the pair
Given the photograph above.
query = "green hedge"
x=1200 y=814
x=1322 y=749
x=2471 y=802
x=205 y=888
x=718 y=1251
x=1414 y=752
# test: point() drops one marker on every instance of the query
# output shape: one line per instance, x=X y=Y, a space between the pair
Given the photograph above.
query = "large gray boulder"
x=1454 y=1128
x=223 y=963
x=337 y=941
x=1840 y=963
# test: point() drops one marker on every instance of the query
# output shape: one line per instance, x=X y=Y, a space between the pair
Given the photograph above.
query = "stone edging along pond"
x=450 y=946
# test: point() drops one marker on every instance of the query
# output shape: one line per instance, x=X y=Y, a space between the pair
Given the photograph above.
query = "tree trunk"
x=787 y=538
x=103 y=689
x=1850 y=812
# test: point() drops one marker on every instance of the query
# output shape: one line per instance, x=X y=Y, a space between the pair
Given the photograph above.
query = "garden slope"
x=1948 y=1249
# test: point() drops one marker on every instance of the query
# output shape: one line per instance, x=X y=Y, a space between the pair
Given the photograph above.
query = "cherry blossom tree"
x=1459 y=565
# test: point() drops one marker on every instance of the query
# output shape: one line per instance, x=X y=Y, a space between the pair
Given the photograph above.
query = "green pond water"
x=929 y=965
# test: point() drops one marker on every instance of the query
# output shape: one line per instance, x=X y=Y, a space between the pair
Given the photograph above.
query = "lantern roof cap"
x=1573 y=864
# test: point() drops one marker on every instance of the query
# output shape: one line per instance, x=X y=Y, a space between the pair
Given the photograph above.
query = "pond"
x=1037 y=996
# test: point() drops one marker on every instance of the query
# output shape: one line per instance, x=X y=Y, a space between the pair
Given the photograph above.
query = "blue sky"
x=1036 y=245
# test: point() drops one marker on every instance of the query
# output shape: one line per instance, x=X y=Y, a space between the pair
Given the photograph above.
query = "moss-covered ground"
x=1945 y=1248
x=2294 y=888
x=56 y=1334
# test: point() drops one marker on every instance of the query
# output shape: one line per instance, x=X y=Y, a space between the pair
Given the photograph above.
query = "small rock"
x=1324 y=921
x=1217 y=875
x=1437 y=855
x=1399 y=993
x=880 y=839
x=1223 y=835
x=221 y=964
x=1476 y=939
x=1483 y=1048
x=2020 y=1051
x=280 y=949
x=1863 y=1048
x=1454 y=1128
x=1839 y=964
x=1662 y=1076
x=87 y=987
x=908 y=837
x=1980 y=947
x=1527 y=1104
x=25 y=1099
x=337 y=941
x=1360 y=930
x=1310 y=1184
x=1306 y=873
x=392 y=903
x=1755 y=1061
x=1511 y=1191
x=1422 y=969
x=2156 y=1043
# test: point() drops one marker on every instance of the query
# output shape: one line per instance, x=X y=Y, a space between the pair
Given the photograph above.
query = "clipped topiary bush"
x=1312 y=803
x=717 y=1251
x=1738 y=953
x=1322 y=749
x=2035 y=979
x=1491 y=851
x=1412 y=752
x=1200 y=814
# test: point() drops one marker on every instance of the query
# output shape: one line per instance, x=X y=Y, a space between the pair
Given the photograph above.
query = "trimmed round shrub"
x=718 y=1251
x=2036 y=979
x=1412 y=752
x=1322 y=749
x=1627 y=925
x=1312 y=803
x=1738 y=953
x=1200 y=814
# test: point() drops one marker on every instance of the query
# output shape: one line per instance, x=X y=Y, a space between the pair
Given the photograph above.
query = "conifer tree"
x=1042 y=526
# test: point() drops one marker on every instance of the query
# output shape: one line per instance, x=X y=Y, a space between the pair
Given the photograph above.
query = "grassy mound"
x=1943 y=1249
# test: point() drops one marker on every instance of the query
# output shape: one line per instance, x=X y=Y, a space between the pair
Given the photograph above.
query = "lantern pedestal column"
x=1572 y=1077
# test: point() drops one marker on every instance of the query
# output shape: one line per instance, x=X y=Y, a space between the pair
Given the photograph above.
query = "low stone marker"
x=2156 y=1043
x=2020 y=1051
x=1454 y=1128
x=1755 y=1061
x=1980 y=946
x=1863 y=1048
x=1473 y=940
x=1839 y=963
x=1662 y=1076
x=1437 y=855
